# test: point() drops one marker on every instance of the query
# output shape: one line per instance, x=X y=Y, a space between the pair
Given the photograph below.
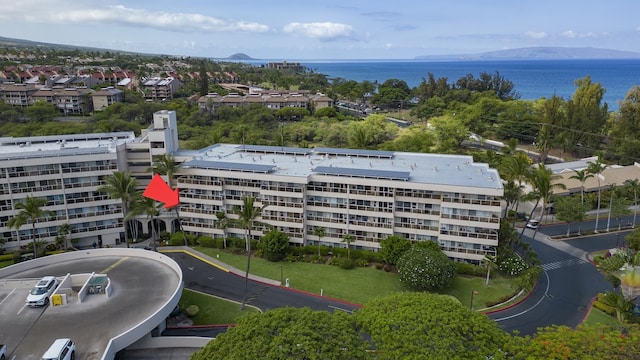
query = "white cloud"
x=320 y=30
x=536 y=34
x=586 y=35
x=119 y=14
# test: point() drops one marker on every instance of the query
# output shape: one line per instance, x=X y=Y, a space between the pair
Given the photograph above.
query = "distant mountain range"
x=540 y=53
x=529 y=53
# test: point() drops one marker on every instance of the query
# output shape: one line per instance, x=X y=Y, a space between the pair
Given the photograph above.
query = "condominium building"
x=67 y=171
x=106 y=97
x=157 y=88
x=369 y=194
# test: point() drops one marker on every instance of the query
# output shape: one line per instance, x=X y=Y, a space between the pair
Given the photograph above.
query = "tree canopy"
x=289 y=333
x=422 y=268
x=428 y=326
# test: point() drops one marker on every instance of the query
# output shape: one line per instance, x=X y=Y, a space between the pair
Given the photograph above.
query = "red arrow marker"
x=159 y=190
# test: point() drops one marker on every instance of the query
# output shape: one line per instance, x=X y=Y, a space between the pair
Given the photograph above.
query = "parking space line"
x=6 y=297
x=114 y=265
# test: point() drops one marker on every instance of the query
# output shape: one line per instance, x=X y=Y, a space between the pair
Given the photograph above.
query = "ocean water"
x=533 y=79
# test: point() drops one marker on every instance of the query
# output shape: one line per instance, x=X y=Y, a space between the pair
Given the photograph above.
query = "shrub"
x=274 y=245
x=347 y=264
x=423 y=268
x=192 y=310
x=393 y=247
x=16 y=256
x=177 y=239
x=528 y=278
x=512 y=265
x=207 y=241
x=607 y=309
x=470 y=269
x=6 y=257
x=362 y=262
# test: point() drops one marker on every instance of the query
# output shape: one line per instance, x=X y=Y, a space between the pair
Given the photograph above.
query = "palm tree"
x=596 y=168
x=63 y=231
x=490 y=260
x=348 y=238
x=544 y=182
x=634 y=185
x=167 y=165
x=612 y=189
x=30 y=211
x=247 y=215
x=223 y=223
x=151 y=208
x=319 y=232
x=121 y=185
x=516 y=168
x=582 y=176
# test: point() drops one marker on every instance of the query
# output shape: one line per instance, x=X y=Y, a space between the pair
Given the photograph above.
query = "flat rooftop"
x=456 y=170
x=40 y=146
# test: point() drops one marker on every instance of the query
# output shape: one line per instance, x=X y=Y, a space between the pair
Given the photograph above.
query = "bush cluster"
x=512 y=265
x=471 y=269
x=192 y=310
x=601 y=304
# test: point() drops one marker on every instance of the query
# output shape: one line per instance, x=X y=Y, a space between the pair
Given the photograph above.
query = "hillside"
x=539 y=53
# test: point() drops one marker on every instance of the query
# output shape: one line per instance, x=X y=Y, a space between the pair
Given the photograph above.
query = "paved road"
x=201 y=276
x=567 y=286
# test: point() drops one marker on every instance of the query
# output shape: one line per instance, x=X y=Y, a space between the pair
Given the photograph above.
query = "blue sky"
x=332 y=29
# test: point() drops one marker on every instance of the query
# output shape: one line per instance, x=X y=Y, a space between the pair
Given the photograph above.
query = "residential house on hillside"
x=17 y=94
x=157 y=88
x=271 y=99
x=105 y=97
x=69 y=101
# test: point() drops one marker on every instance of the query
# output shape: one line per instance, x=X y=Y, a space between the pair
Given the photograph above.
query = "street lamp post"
x=473 y=292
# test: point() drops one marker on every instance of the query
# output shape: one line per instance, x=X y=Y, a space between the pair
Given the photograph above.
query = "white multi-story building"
x=368 y=194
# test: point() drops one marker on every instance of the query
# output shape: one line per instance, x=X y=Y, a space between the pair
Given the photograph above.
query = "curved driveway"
x=202 y=276
x=568 y=285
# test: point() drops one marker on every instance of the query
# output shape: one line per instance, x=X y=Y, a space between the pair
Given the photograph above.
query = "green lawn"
x=213 y=310
x=464 y=286
x=6 y=263
x=599 y=317
x=358 y=285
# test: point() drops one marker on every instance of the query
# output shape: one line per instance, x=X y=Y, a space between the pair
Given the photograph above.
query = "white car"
x=533 y=224
x=39 y=295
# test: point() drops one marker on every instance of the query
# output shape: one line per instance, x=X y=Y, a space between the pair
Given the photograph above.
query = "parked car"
x=533 y=224
x=39 y=295
x=61 y=349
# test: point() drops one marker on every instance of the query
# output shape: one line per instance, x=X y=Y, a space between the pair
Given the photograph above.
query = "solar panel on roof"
x=54 y=153
x=365 y=173
x=276 y=149
x=231 y=166
x=355 y=152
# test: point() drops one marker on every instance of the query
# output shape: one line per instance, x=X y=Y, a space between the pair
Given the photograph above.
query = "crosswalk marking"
x=564 y=263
